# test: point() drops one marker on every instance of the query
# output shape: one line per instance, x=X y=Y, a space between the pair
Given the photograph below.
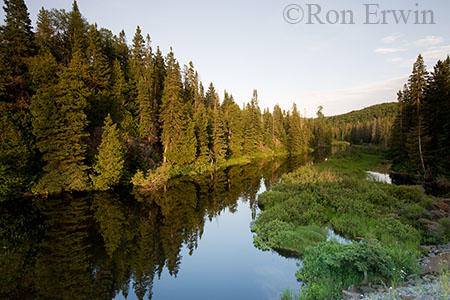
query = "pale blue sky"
x=245 y=44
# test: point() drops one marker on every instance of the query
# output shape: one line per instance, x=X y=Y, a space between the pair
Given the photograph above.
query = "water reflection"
x=95 y=246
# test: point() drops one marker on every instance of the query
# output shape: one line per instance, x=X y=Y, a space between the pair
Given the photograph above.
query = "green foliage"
x=14 y=157
x=336 y=193
x=285 y=237
x=420 y=138
x=445 y=230
x=370 y=125
x=109 y=162
x=58 y=124
x=178 y=136
x=329 y=268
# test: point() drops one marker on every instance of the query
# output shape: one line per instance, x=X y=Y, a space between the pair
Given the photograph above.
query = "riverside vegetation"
x=82 y=110
x=336 y=194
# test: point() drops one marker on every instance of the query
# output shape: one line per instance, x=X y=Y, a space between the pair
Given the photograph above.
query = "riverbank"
x=380 y=218
x=155 y=179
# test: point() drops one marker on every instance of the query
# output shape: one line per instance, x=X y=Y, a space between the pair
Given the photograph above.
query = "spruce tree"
x=59 y=121
x=234 y=125
x=76 y=34
x=17 y=45
x=436 y=115
x=178 y=134
x=297 y=142
x=218 y=143
x=119 y=90
x=200 y=119
x=147 y=106
x=253 y=126
x=109 y=162
x=416 y=139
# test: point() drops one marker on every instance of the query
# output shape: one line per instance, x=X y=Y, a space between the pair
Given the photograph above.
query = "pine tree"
x=58 y=124
x=436 y=116
x=119 y=90
x=178 y=135
x=218 y=144
x=234 y=127
x=17 y=45
x=297 y=140
x=416 y=140
x=109 y=162
x=147 y=106
x=121 y=52
x=76 y=34
x=200 y=119
x=279 y=128
x=253 y=126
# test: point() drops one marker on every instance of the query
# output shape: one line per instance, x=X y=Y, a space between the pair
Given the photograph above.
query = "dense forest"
x=421 y=131
x=370 y=125
x=82 y=109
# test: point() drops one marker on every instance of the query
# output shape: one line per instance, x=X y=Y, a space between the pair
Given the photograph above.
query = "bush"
x=329 y=268
x=445 y=230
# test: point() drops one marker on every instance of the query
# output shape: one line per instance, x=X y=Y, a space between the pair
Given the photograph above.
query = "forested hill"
x=385 y=110
x=370 y=125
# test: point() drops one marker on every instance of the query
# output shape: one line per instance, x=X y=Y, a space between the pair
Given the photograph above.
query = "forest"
x=421 y=130
x=82 y=109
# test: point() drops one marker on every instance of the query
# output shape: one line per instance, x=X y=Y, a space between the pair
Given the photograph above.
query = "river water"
x=191 y=240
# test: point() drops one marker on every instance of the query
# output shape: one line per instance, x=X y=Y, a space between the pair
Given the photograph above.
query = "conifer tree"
x=416 y=140
x=178 y=135
x=17 y=45
x=58 y=124
x=218 y=144
x=109 y=162
x=436 y=111
x=278 y=127
x=253 y=126
x=76 y=34
x=119 y=89
x=147 y=106
x=234 y=127
x=200 y=119
x=121 y=52
x=297 y=142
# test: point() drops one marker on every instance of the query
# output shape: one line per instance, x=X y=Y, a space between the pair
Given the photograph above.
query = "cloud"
x=389 y=50
x=391 y=38
x=430 y=40
x=341 y=101
x=437 y=52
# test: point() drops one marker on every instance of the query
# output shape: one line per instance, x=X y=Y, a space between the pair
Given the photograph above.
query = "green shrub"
x=445 y=230
x=329 y=268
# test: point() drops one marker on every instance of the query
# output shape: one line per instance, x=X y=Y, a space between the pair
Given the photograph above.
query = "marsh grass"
x=335 y=194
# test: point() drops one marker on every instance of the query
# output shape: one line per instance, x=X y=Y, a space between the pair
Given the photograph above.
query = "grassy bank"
x=154 y=179
x=336 y=194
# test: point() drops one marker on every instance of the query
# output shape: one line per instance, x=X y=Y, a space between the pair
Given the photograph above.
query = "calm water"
x=191 y=240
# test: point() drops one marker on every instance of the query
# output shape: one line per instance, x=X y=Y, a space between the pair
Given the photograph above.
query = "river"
x=191 y=240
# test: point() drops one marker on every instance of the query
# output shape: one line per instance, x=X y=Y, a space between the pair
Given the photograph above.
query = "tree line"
x=82 y=109
x=421 y=131
x=371 y=125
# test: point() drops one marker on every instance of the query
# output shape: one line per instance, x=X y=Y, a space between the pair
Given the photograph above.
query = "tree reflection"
x=95 y=245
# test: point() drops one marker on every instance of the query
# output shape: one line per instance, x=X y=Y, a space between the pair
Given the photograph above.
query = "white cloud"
x=430 y=40
x=437 y=52
x=391 y=38
x=389 y=50
x=341 y=101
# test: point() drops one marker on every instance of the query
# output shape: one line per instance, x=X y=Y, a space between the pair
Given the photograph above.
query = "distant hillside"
x=385 y=110
x=370 y=125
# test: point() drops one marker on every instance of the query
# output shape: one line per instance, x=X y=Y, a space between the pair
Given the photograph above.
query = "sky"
x=241 y=45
